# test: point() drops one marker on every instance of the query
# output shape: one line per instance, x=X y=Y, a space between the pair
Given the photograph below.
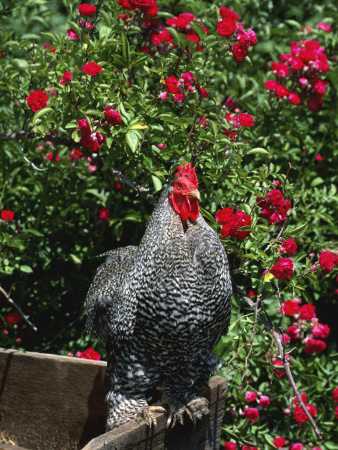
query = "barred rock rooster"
x=161 y=308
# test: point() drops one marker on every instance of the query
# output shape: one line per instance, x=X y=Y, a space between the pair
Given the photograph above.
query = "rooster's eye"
x=179 y=186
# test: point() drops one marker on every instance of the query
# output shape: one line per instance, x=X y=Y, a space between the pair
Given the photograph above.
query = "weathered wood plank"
x=205 y=436
x=56 y=402
x=49 y=401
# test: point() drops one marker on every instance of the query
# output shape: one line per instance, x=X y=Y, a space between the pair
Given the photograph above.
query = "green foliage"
x=48 y=250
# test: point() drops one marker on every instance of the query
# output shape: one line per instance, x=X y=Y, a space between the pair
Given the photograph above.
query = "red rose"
x=87 y=10
x=270 y=85
x=307 y=311
x=275 y=207
x=314 y=346
x=232 y=222
x=227 y=13
x=303 y=396
x=264 y=401
x=37 y=100
x=282 y=269
x=67 y=76
x=179 y=98
x=335 y=395
x=247 y=38
x=250 y=396
x=251 y=413
x=239 y=52
x=103 y=213
x=49 y=156
x=293 y=332
x=13 y=318
x=7 y=215
x=113 y=117
x=245 y=120
x=204 y=92
x=290 y=246
x=90 y=354
x=229 y=446
x=336 y=412
x=72 y=35
x=296 y=446
x=278 y=363
x=84 y=127
x=300 y=415
x=91 y=142
x=252 y=293
x=279 y=441
x=327 y=260
x=171 y=85
x=281 y=69
x=92 y=68
x=320 y=330
x=281 y=91
x=226 y=27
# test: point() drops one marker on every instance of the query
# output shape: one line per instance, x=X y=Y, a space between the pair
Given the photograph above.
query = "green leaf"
x=317 y=181
x=179 y=39
x=26 y=269
x=258 y=150
x=198 y=28
x=157 y=183
x=298 y=230
x=41 y=113
x=125 y=47
x=133 y=140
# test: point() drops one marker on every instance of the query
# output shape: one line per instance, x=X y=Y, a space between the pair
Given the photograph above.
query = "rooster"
x=161 y=308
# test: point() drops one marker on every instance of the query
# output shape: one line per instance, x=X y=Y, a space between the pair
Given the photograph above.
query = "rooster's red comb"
x=187 y=171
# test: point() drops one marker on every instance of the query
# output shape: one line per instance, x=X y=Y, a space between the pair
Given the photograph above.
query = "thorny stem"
x=270 y=329
x=12 y=302
x=251 y=340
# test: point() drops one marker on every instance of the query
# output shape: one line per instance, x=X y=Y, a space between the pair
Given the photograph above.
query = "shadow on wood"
x=58 y=402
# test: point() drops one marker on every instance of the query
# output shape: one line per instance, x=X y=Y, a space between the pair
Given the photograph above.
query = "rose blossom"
x=279 y=441
x=320 y=330
x=324 y=27
x=229 y=446
x=251 y=413
x=264 y=401
x=37 y=100
x=250 y=396
x=290 y=246
x=92 y=68
x=296 y=446
x=246 y=120
x=335 y=394
x=226 y=27
x=307 y=311
x=171 y=85
x=239 y=52
x=300 y=415
x=103 y=213
x=327 y=260
x=232 y=221
x=314 y=346
x=294 y=98
x=282 y=269
x=7 y=215
x=67 y=76
x=89 y=354
x=161 y=146
x=113 y=117
x=86 y=10
x=293 y=332
x=204 y=92
x=13 y=318
x=72 y=35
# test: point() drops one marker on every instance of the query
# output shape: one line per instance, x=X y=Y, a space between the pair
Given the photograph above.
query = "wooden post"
x=58 y=402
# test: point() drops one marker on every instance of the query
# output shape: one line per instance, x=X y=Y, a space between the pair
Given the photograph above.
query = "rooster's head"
x=185 y=195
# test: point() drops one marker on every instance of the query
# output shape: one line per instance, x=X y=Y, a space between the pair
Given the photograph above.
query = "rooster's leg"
x=131 y=381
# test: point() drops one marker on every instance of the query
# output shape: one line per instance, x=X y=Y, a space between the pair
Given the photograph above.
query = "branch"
x=269 y=327
x=142 y=191
x=12 y=302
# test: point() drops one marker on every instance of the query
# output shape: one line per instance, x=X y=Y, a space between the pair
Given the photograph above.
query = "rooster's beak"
x=194 y=194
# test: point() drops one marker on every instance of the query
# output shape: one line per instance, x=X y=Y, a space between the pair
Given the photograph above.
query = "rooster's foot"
x=195 y=410
x=146 y=414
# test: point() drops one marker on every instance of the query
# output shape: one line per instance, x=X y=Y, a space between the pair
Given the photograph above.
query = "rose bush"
x=111 y=99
